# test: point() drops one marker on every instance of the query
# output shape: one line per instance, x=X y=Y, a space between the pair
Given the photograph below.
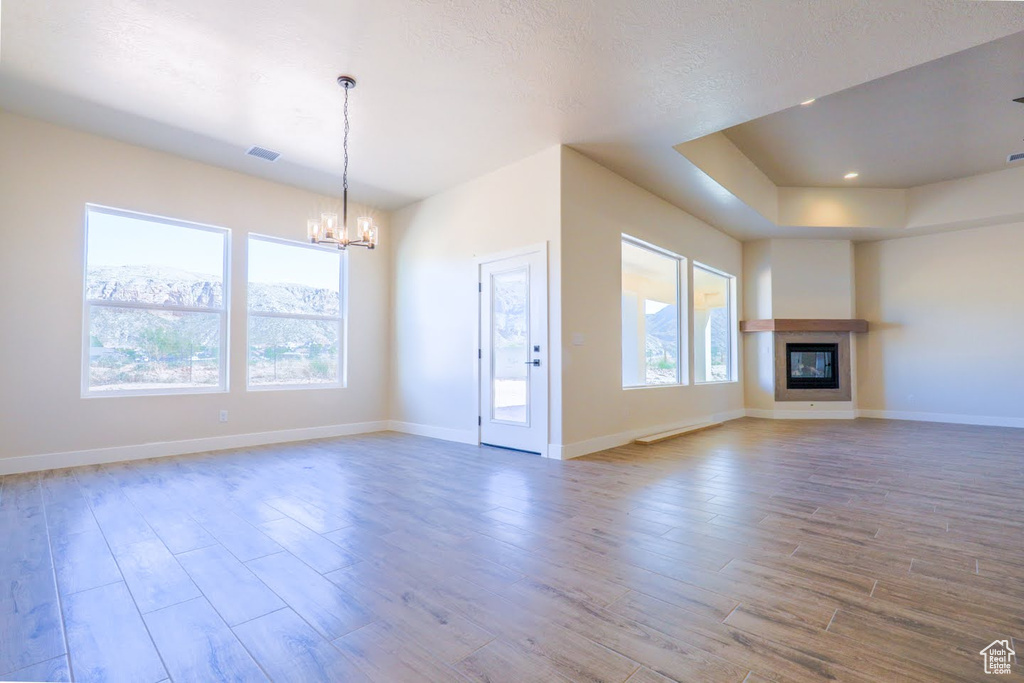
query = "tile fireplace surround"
x=842 y=368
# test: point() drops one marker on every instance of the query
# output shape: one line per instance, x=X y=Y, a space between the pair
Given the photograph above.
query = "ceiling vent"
x=1019 y=156
x=263 y=153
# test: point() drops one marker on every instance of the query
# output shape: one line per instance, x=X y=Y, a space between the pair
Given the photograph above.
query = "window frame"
x=682 y=313
x=223 y=311
x=732 y=355
x=341 y=319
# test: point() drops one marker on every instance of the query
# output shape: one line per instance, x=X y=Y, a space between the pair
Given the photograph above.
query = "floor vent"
x=1019 y=156
x=263 y=153
x=673 y=433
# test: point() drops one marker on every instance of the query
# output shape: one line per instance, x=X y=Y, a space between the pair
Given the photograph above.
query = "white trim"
x=444 y=433
x=97 y=456
x=802 y=414
x=601 y=443
x=511 y=253
x=948 y=418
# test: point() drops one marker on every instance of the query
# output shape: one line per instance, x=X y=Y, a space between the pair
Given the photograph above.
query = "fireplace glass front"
x=812 y=366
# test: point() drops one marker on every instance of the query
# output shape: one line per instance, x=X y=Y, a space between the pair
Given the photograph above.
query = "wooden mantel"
x=803 y=325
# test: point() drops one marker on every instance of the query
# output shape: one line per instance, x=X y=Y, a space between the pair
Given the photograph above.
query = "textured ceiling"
x=950 y=118
x=449 y=89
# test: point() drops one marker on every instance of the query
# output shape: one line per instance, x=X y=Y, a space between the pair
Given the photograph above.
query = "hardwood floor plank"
x=645 y=675
x=82 y=561
x=245 y=541
x=51 y=671
x=108 y=639
x=745 y=650
x=499 y=662
x=957 y=659
x=309 y=515
x=446 y=634
x=663 y=653
x=309 y=546
x=289 y=650
x=30 y=620
x=385 y=654
x=154 y=576
x=232 y=589
x=328 y=608
x=196 y=644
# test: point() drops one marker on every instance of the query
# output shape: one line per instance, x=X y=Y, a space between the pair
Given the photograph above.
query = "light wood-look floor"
x=863 y=551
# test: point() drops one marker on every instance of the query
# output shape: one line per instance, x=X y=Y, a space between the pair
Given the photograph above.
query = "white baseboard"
x=447 y=434
x=981 y=420
x=801 y=414
x=601 y=443
x=98 y=456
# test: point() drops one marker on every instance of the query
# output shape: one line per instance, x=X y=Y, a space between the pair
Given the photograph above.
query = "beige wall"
x=597 y=207
x=812 y=279
x=47 y=175
x=435 y=304
x=758 y=347
x=947 y=319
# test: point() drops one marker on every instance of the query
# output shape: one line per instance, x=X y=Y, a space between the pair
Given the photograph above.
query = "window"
x=713 y=331
x=650 y=315
x=295 y=314
x=155 y=305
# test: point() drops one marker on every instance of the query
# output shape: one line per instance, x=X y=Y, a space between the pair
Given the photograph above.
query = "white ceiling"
x=449 y=89
x=951 y=118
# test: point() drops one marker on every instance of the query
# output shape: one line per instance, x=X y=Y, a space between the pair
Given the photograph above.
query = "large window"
x=712 y=325
x=155 y=305
x=651 y=292
x=296 y=308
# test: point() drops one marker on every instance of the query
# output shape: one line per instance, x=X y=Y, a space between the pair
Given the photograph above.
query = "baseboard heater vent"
x=673 y=433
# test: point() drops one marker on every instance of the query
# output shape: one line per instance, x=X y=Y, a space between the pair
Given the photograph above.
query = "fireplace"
x=812 y=366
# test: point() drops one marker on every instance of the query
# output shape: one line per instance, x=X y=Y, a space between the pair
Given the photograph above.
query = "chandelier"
x=327 y=229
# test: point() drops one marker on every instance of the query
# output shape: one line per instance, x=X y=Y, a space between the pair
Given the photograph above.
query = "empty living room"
x=511 y=341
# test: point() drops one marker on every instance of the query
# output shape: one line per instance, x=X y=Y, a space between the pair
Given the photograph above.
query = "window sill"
x=717 y=381
x=294 y=387
x=128 y=393
x=656 y=386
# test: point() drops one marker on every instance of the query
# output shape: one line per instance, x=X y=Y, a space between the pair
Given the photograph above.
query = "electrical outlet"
x=223 y=416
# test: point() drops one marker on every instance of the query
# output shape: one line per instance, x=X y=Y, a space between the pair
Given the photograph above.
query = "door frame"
x=545 y=334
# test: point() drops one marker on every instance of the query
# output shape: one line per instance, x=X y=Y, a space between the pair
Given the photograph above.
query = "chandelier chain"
x=345 y=144
x=344 y=174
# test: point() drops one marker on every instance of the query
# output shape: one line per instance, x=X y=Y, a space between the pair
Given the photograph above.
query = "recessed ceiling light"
x=851 y=175
x=806 y=102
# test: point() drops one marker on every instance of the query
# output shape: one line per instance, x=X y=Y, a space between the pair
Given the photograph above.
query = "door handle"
x=535 y=362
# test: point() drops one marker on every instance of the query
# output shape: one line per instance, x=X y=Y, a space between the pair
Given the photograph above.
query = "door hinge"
x=480 y=287
x=479 y=421
x=479 y=353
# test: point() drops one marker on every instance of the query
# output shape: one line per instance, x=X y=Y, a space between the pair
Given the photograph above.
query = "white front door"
x=513 y=352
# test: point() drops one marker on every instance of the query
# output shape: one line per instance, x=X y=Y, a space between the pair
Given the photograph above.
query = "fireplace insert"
x=812 y=366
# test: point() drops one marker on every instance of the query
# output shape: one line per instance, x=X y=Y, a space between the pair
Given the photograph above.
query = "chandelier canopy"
x=327 y=229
